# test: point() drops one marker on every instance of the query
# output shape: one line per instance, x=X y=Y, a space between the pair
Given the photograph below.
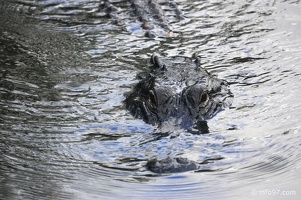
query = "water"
x=64 y=69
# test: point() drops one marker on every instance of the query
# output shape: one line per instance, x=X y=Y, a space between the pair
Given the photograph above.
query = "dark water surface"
x=64 y=69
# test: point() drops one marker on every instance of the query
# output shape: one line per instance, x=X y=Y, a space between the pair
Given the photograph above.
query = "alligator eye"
x=152 y=98
x=203 y=100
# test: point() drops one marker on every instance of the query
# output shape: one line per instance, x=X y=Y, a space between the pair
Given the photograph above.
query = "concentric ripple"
x=64 y=132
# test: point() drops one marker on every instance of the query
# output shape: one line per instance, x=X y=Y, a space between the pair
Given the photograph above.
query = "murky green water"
x=64 y=133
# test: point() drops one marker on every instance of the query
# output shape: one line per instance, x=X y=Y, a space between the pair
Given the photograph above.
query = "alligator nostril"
x=157 y=62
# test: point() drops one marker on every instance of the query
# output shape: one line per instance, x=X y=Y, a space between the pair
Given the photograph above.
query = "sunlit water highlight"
x=64 y=69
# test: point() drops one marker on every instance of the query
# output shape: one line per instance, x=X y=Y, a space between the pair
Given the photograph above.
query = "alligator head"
x=177 y=91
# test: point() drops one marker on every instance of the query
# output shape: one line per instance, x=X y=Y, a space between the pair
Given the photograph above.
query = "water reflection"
x=64 y=68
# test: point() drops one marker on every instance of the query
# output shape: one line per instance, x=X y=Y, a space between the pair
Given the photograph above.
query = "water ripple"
x=64 y=69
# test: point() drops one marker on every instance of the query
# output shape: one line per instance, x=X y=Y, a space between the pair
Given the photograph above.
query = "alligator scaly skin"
x=150 y=15
x=177 y=92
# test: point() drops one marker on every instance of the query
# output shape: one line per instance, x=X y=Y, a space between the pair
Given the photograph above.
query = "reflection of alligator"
x=171 y=165
x=149 y=13
x=177 y=91
x=175 y=165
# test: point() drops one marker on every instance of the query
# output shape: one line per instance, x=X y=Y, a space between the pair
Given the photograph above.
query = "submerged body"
x=149 y=14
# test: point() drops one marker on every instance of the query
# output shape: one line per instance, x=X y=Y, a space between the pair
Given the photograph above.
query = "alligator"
x=149 y=13
x=177 y=92
x=172 y=92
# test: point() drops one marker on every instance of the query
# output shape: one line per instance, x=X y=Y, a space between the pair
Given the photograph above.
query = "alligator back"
x=147 y=16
